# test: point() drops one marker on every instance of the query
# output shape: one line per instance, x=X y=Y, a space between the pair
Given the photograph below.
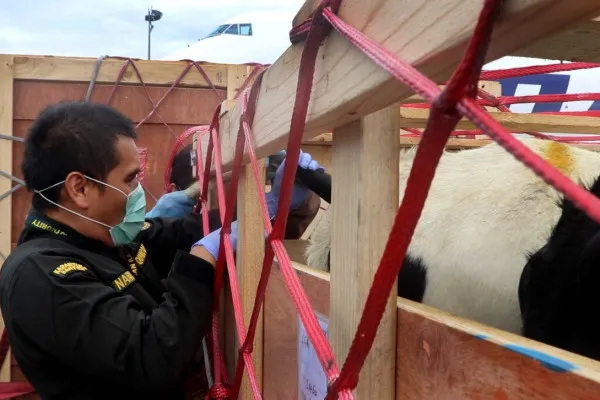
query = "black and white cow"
x=489 y=221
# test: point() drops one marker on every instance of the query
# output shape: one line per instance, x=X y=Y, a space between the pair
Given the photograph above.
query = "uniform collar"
x=39 y=225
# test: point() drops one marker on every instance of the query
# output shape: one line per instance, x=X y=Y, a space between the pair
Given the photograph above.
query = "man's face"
x=106 y=204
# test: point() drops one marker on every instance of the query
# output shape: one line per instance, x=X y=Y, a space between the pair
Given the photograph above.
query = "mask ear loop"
x=39 y=192
x=111 y=186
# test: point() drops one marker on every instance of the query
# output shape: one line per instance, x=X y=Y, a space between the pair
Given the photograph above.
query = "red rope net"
x=448 y=106
x=501 y=102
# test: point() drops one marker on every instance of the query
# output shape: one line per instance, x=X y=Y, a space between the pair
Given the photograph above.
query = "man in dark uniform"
x=98 y=302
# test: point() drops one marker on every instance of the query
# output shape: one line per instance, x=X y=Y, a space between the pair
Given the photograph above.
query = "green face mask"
x=135 y=210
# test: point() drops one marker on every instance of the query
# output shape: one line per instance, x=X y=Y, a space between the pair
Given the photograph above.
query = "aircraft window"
x=233 y=30
x=220 y=29
x=246 y=29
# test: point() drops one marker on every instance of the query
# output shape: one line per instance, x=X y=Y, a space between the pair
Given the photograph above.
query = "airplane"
x=255 y=37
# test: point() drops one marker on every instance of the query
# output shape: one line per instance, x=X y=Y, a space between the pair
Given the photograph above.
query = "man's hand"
x=172 y=205
x=300 y=192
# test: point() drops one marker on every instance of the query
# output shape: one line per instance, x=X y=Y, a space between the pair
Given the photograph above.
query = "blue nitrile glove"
x=211 y=241
x=174 y=204
x=300 y=192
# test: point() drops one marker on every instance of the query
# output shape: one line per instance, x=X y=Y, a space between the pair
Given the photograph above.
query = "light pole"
x=152 y=16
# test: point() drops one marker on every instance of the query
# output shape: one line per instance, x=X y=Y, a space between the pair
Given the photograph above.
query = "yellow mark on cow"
x=123 y=281
x=68 y=268
x=560 y=156
x=140 y=257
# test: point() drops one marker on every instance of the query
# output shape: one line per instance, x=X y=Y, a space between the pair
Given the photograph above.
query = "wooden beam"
x=452 y=144
x=431 y=35
x=6 y=161
x=575 y=43
x=74 y=69
x=514 y=122
x=365 y=161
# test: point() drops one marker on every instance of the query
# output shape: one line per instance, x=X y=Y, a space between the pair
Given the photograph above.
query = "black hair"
x=181 y=170
x=71 y=136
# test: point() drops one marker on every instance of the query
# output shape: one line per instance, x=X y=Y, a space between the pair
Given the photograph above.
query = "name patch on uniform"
x=140 y=257
x=46 y=227
x=123 y=281
x=66 y=269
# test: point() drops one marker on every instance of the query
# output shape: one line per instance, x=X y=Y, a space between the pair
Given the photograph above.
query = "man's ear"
x=173 y=187
x=77 y=189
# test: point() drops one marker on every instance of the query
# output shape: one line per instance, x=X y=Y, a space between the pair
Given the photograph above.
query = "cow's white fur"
x=484 y=214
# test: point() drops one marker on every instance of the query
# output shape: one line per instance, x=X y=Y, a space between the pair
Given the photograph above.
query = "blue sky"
x=113 y=27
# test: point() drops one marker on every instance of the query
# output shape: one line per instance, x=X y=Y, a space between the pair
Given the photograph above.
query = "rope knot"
x=219 y=391
x=338 y=386
x=246 y=348
x=446 y=105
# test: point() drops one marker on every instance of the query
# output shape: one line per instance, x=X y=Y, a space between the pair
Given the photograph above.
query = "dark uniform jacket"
x=87 y=321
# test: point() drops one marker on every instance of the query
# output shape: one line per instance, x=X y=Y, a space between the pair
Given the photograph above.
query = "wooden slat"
x=417 y=118
x=324 y=142
x=250 y=253
x=429 y=34
x=81 y=70
x=459 y=144
x=281 y=330
x=575 y=43
x=6 y=127
x=365 y=162
x=439 y=356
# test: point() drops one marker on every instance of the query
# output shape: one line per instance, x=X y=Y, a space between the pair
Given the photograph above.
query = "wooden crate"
x=30 y=83
x=419 y=353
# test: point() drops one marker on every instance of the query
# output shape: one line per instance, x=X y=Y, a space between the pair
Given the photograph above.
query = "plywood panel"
x=191 y=106
x=439 y=356
x=446 y=358
x=280 y=365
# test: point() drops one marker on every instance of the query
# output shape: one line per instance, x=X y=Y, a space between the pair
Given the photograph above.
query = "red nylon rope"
x=129 y=62
x=202 y=129
x=457 y=98
x=442 y=121
x=538 y=69
x=316 y=35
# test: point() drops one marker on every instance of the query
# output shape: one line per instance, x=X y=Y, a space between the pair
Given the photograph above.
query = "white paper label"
x=312 y=383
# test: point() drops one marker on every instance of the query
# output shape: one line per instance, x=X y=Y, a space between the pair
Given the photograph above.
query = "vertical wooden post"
x=6 y=146
x=236 y=74
x=250 y=253
x=364 y=201
x=250 y=250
